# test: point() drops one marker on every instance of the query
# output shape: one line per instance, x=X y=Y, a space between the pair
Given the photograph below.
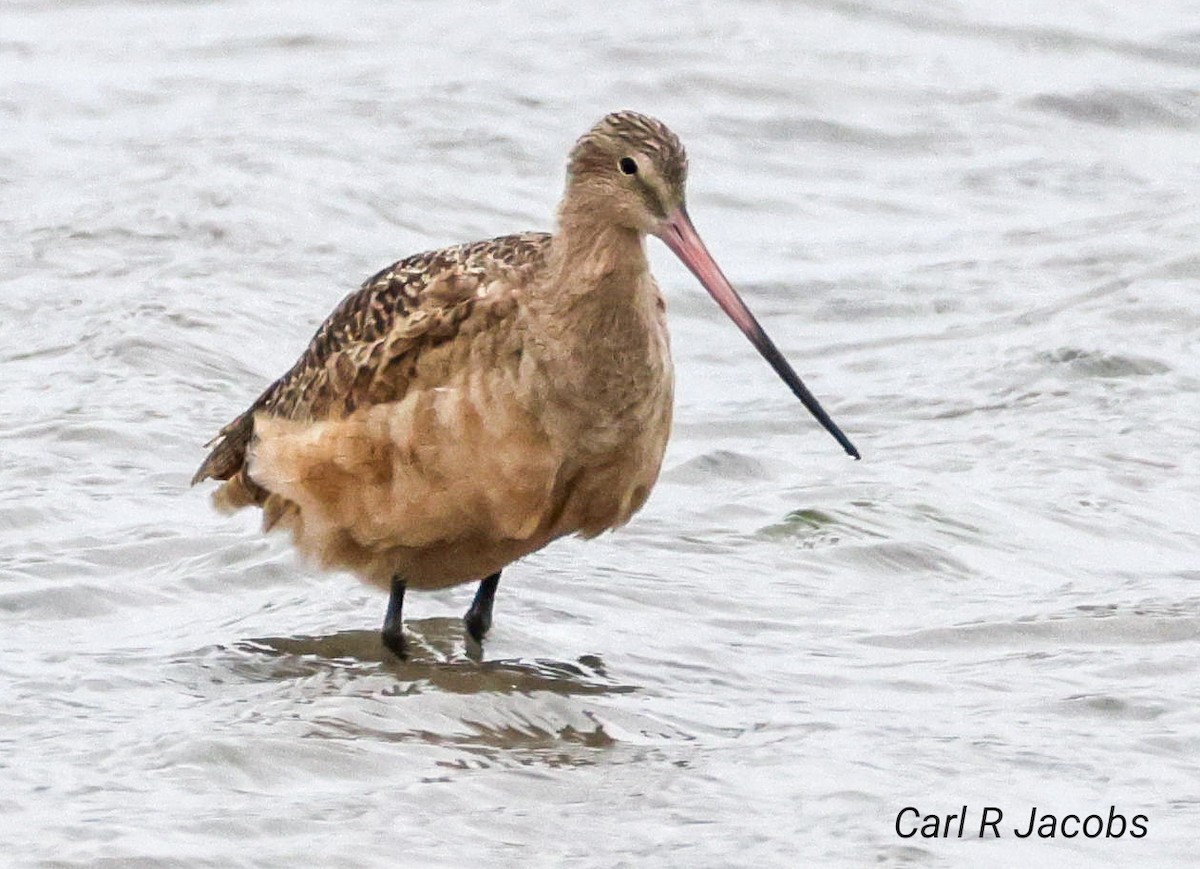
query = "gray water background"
x=971 y=226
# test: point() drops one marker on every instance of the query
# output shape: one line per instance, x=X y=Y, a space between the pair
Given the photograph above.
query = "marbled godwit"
x=469 y=405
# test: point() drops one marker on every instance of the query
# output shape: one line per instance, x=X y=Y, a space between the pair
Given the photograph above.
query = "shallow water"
x=971 y=226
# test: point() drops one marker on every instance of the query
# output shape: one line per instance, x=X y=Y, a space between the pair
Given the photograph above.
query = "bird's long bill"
x=681 y=237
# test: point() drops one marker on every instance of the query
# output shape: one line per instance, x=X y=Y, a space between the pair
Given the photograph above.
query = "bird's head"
x=629 y=169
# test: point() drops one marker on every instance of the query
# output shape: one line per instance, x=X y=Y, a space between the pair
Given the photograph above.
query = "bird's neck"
x=596 y=276
x=600 y=323
x=595 y=259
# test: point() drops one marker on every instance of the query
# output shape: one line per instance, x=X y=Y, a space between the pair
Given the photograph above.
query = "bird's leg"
x=479 y=617
x=393 y=623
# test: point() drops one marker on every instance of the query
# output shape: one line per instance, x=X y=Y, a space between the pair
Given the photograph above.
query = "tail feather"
x=228 y=457
x=227 y=462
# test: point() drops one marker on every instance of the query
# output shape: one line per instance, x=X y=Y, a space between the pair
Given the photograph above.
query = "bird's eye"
x=628 y=165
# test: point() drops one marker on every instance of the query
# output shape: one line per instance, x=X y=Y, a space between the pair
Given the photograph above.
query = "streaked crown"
x=622 y=132
x=628 y=170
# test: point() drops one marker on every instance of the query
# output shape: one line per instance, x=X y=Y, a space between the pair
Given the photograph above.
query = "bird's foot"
x=393 y=623
x=393 y=641
x=477 y=621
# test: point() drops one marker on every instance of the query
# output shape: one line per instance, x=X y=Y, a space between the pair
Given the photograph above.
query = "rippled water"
x=972 y=226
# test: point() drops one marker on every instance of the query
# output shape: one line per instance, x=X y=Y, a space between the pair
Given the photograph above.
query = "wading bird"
x=467 y=406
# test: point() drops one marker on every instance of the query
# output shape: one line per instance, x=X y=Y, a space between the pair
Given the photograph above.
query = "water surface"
x=971 y=227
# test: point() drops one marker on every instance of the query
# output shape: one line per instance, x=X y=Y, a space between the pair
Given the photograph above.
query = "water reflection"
x=437 y=660
x=483 y=713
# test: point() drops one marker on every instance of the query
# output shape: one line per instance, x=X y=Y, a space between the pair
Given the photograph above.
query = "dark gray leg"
x=393 y=623
x=479 y=617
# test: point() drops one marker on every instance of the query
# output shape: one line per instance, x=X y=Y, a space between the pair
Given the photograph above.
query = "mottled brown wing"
x=358 y=355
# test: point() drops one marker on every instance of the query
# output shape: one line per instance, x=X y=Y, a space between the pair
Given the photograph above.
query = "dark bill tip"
x=680 y=236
